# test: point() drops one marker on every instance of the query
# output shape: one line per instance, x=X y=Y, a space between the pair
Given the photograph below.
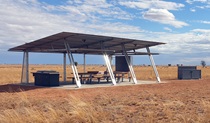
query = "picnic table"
x=120 y=74
x=117 y=74
x=89 y=75
x=84 y=76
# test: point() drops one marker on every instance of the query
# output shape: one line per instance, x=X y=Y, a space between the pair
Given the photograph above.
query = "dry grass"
x=174 y=102
x=12 y=73
x=146 y=106
x=76 y=110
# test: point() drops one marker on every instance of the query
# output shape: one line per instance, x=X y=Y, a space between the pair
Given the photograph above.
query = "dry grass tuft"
x=106 y=109
x=76 y=111
x=83 y=112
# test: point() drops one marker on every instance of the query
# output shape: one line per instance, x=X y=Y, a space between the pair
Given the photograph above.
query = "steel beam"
x=127 y=42
x=108 y=64
x=96 y=42
x=84 y=63
x=64 y=67
x=133 y=76
x=153 y=65
x=74 y=68
x=25 y=68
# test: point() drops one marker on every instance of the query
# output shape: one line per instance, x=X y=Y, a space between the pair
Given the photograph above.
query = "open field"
x=12 y=73
x=178 y=101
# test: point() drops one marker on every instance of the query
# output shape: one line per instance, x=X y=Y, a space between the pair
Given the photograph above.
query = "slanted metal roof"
x=83 y=43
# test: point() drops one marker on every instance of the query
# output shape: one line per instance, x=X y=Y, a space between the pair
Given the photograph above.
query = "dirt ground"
x=186 y=101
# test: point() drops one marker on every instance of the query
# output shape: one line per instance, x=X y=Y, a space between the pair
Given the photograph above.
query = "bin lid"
x=47 y=71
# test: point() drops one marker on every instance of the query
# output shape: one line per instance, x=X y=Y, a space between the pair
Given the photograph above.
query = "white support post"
x=74 y=68
x=129 y=65
x=25 y=69
x=84 y=64
x=64 y=67
x=110 y=58
x=108 y=64
x=153 y=64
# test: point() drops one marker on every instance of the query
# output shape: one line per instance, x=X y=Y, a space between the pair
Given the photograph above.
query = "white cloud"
x=192 y=1
x=157 y=10
x=157 y=4
x=115 y=27
x=24 y=21
x=21 y=21
x=205 y=22
x=192 y=10
x=163 y=16
x=167 y=29
x=202 y=3
x=91 y=9
x=196 y=41
x=201 y=30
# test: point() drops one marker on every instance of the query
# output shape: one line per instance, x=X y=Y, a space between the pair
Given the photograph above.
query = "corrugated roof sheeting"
x=80 y=42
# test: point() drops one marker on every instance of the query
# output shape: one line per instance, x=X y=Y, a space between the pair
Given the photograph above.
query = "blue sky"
x=183 y=24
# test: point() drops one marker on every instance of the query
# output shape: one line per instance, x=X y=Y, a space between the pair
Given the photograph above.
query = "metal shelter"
x=77 y=43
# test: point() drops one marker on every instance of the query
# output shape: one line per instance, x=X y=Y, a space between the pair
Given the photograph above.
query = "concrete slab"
x=103 y=84
x=95 y=84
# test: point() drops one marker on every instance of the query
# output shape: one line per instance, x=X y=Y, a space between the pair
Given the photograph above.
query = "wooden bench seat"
x=82 y=81
x=106 y=77
x=71 y=77
x=118 y=77
x=98 y=77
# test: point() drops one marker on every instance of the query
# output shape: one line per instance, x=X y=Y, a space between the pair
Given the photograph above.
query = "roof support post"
x=153 y=64
x=64 y=67
x=74 y=68
x=129 y=64
x=108 y=64
x=25 y=68
x=84 y=63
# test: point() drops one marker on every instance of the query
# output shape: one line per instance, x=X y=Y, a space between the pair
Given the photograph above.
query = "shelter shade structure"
x=69 y=43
